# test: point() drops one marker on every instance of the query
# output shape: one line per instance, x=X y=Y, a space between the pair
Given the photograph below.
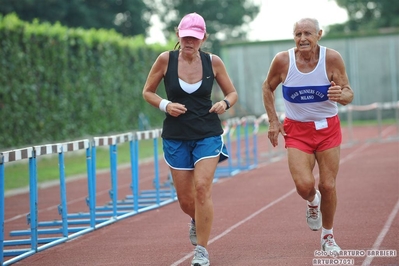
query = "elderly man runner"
x=313 y=80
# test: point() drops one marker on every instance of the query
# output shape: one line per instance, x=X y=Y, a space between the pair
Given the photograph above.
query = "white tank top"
x=190 y=88
x=305 y=94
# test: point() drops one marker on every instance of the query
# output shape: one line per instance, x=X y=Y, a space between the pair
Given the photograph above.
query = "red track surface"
x=259 y=218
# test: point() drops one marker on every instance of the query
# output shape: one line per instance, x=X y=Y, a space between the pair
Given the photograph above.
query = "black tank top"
x=197 y=122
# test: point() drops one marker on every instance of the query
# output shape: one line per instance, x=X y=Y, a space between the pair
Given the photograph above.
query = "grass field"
x=17 y=174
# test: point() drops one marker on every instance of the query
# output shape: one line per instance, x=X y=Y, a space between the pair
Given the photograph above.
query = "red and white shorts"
x=312 y=137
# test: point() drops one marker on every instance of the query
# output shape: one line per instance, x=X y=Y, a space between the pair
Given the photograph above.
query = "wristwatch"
x=227 y=104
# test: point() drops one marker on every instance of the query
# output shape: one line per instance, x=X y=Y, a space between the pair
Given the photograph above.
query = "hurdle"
x=271 y=153
x=66 y=219
x=69 y=225
x=64 y=230
x=2 y=180
x=111 y=210
x=239 y=149
x=160 y=195
x=139 y=200
x=379 y=108
x=19 y=253
x=251 y=160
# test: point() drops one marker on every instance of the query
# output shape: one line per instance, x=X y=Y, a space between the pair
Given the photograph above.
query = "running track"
x=259 y=219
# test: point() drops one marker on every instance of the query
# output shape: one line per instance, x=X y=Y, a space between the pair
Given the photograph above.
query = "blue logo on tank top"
x=306 y=94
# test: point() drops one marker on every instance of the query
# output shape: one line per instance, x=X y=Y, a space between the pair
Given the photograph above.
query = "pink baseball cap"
x=192 y=25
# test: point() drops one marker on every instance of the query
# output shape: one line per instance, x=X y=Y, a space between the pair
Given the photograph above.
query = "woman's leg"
x=203 y=178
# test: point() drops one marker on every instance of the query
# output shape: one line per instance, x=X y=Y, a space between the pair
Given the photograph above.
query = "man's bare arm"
x=340 y=90
x=277 y=71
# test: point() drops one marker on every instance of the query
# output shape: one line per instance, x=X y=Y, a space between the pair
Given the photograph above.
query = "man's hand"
x=275 y=128
x=334 y=92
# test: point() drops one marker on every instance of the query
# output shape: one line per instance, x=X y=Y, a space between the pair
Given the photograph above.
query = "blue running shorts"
x=184 y=154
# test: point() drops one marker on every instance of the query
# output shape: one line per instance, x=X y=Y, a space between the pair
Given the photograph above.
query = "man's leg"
x=328 y=162
x=301 y=165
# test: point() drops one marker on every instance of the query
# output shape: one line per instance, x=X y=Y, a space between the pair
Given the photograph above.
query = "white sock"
x=326 y=232
x=315 y=201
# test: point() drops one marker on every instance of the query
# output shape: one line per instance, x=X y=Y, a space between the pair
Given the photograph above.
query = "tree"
x=225 y=19
x=129 y=17
x=367 y=15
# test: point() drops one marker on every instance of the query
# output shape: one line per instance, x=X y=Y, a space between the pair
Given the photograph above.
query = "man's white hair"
x=313 y=20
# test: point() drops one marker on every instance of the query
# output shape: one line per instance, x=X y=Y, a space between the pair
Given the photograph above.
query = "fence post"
x=90 y=200
x=396 y=106
x=2 y=198
x=93 y=185
x=379 y=119
x=228 y=146
x=33 y=200
x=350 y=120
x=134 y=158
x=114 y=176
x=156 y=170
x=62 y=209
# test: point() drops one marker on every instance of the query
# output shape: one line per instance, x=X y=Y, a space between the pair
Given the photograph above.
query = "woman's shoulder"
x=216 y=60
x=164 y=56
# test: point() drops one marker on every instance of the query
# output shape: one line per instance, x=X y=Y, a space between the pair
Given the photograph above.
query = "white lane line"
x=237 y=225
x=189 y=255
x=383 y=233
x=387 y=132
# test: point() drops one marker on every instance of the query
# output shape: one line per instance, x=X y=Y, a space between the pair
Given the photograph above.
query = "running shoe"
x=313 y=215
x=201 y=257
x=328 y=244
x=193 y=233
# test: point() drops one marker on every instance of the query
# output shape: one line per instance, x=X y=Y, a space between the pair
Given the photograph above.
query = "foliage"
x=58 y=83
x=224 y=18
x=128 y=17
x=368 y=16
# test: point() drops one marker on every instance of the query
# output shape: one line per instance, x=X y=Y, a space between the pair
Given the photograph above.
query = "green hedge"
x=58 y=83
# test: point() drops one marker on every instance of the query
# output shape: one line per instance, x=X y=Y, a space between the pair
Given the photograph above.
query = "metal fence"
x=372 y=65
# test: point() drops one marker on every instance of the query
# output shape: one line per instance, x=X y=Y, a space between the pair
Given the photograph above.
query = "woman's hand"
x=175 y=109
x=219 y=108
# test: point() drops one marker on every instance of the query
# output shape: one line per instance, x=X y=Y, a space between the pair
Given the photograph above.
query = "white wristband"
x=163 y=104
